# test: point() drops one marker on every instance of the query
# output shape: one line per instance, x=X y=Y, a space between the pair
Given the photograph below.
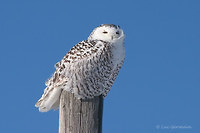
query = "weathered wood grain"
x=80 y=116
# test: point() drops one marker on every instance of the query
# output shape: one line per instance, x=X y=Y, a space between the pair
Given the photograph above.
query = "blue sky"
x=157 y=88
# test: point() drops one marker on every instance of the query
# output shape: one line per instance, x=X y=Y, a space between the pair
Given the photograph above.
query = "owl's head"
x=107 y=32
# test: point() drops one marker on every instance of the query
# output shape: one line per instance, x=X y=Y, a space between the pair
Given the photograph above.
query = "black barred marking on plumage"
x=110 y=25
x=89 y=54
x=93 y=64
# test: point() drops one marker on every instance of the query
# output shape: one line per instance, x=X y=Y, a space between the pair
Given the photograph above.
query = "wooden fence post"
x=80 y=116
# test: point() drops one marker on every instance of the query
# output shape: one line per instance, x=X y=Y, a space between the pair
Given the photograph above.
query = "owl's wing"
x=84 y=50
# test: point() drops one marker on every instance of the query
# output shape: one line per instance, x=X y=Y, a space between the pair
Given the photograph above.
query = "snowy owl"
x=89 y=69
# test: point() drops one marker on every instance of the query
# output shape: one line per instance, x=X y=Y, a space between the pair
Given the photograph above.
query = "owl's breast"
x=118 y=53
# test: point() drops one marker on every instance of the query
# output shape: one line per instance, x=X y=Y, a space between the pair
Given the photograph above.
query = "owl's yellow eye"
x=105 y=32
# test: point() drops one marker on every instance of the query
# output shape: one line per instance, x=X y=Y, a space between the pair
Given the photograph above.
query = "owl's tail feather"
x=49 y=100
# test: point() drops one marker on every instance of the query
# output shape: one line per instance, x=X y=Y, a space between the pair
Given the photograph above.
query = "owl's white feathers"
x=88 y=69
